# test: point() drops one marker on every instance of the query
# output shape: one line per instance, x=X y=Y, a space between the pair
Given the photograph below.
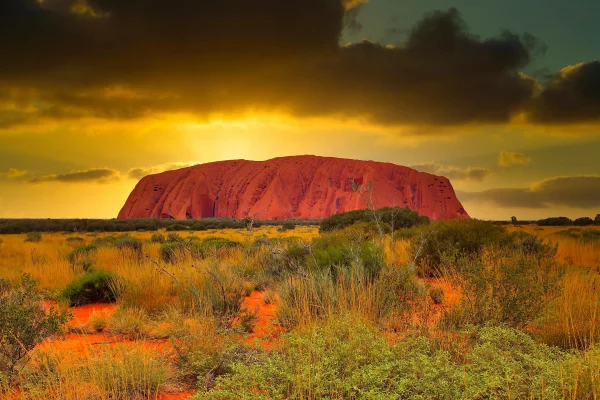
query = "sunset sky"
x=502 y=97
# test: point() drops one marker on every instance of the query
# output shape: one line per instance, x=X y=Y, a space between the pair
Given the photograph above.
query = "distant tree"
x=514 y=220
x=556 y=221
x=584 y=221
x=597 y=220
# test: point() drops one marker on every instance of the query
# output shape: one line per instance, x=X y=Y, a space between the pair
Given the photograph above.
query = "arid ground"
x=458 y=309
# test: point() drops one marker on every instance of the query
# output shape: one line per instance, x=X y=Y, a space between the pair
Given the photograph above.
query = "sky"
x=501 y=97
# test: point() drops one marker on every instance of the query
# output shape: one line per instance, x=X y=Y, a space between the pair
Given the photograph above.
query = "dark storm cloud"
x=101 y=175
x=572 y=95
x=230 y=56
x=573 y=191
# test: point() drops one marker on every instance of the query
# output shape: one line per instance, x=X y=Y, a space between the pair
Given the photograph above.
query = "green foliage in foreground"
x=393 y=216
x=92 y=287
x=447 y=242
x=23 y=323
x=348 y=359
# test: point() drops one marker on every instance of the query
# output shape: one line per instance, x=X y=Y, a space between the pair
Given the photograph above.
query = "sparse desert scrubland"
x=373 y=306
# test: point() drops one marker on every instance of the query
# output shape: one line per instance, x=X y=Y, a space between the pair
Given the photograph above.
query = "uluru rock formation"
x=288 y=187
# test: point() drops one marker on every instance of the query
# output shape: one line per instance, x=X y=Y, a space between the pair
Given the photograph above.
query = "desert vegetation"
x=373 y=304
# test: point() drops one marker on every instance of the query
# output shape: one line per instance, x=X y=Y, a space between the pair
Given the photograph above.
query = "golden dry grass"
x=571 y=251
x=571 y=321
x=47 y=261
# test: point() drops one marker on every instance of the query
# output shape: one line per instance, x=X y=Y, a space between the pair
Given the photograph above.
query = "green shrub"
x=131 y=322
x=287 y=226
x=591 y=235
x=34 y=237
x=306 y=298
x=531 y=245
x=295 y=255
x=92 y=287
x=406 y=234
x=75 y=241
x=169 y=250
x=177 y=227
x=220 y=243
x=158 y=238
x=371 y=229
x=105 y=240
x=349 y=359
x=450 y=240
x=23 y=322
x=174 y=237
x=248 y=320
x=82 y=252
x=503 y=288
x=262 y=240
x=394 y=216
x=126 y=242
x=340 y=249
x=436 y=294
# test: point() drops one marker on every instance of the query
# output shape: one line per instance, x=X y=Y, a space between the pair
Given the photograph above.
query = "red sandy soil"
x=78 y=344
x=288 y=187
x=264 y=332
x=81 y=315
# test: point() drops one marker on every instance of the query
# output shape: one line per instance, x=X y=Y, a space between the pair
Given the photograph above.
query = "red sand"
x=288 y=187
x=79 y=344
x=264 y=330
x=81 y=315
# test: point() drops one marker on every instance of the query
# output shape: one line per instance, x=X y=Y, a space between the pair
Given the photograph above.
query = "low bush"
x=304 y=299
x=158 y=238
x=406 y=233
x=169 y=251
x=591 y=235
x=126 y=242
x=450 y=240
x=437 y=295
x=396 y=217
x=287 y=226
x=174 y=237
x=81 y=253
x=502 y=288
x=92 y=287
x=220 y=243
x=98 y=321
x=119 y=372
x=340 y=249
x=34 y=237
x=75 y=241
x=349 y=359
x=131 y=322
x=177 y=227
x=24 y=323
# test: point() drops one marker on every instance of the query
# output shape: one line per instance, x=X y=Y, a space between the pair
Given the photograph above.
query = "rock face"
x=288 y=187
